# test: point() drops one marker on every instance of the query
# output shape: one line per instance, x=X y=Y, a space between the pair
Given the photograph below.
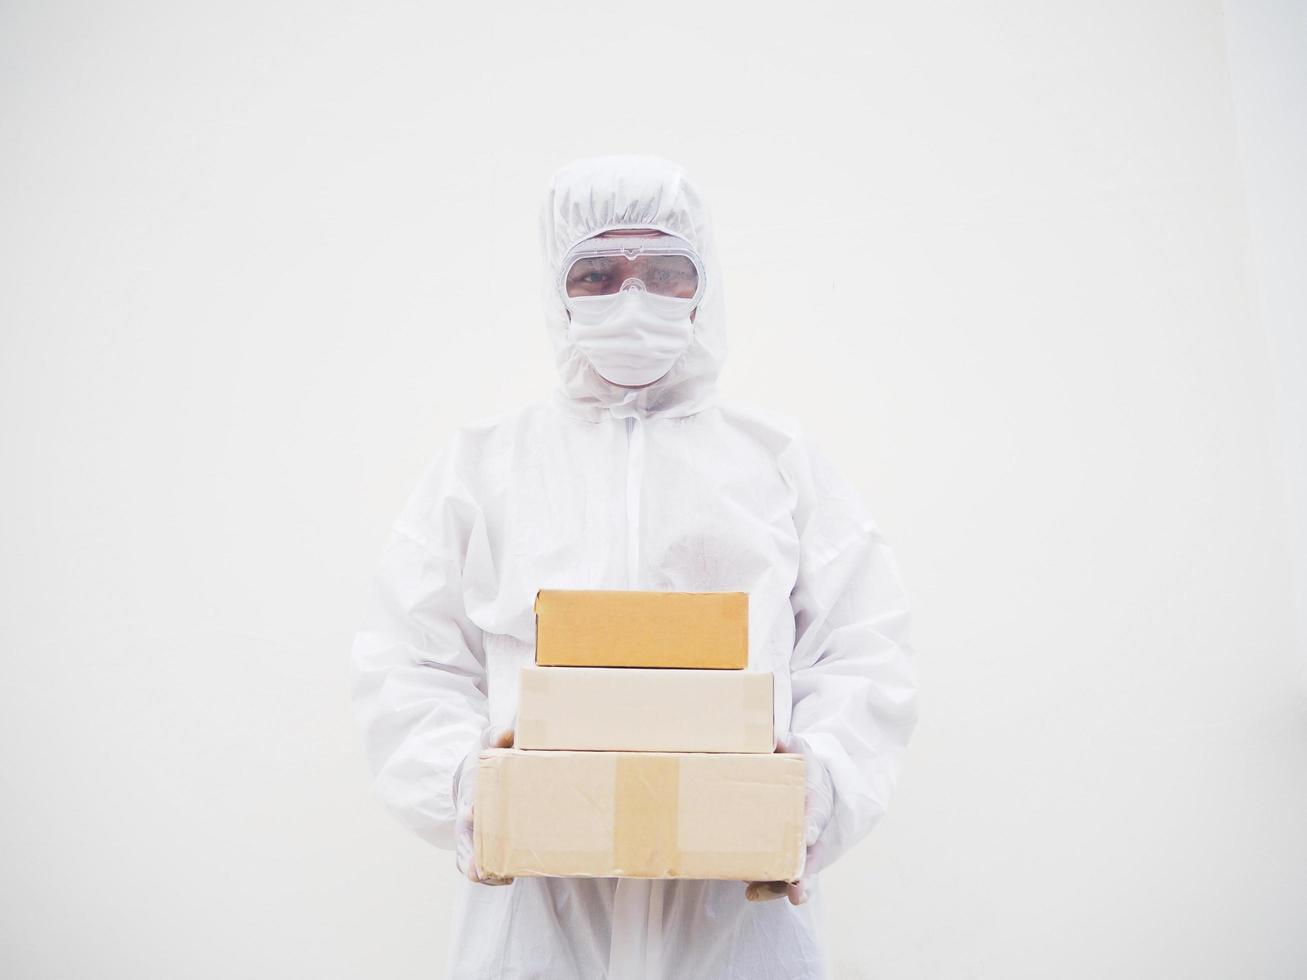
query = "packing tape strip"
x=760 y=737
x=757 y=702
x=534 y=681
x=488 y=850
x=646 y=829
x=532 y=730
x=531 y=733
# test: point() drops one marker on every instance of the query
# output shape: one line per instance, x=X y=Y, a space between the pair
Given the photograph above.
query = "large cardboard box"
x=636 y=709
x=639 y=815
x=630 y=628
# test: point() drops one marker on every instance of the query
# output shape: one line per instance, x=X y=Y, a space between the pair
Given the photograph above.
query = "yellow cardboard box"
x=639 y=815
x=631 y=628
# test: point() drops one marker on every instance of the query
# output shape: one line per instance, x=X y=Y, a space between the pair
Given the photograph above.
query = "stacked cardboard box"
x=643 y=748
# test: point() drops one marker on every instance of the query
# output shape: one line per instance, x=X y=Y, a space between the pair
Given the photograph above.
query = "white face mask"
x=634 y=337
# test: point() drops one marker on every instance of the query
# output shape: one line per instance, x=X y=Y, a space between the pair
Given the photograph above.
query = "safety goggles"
x=662 y=266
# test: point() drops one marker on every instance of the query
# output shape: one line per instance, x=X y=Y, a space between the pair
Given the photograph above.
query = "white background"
x=1026 y=270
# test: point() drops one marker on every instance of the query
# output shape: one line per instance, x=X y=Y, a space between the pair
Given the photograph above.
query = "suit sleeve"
x=419 y=687
x=852 y=670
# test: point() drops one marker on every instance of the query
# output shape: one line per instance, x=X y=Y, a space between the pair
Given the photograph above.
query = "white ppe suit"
x=666 y=487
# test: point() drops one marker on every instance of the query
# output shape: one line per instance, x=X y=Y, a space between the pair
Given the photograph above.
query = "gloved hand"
x=465 y=786
x=818 y=803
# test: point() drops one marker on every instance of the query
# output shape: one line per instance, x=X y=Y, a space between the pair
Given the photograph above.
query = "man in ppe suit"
x=633 y=475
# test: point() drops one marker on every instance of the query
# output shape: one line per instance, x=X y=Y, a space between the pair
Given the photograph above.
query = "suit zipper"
x=634 y=475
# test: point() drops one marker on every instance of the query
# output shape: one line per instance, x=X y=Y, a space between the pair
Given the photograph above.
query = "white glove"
x=819 y=800
x=465 y=791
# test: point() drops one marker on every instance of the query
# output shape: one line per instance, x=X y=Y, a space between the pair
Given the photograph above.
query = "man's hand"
x=465 y=852
x=765 y=891
x=817 y=805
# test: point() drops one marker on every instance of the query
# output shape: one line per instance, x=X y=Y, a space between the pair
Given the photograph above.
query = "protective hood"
x=598 y=194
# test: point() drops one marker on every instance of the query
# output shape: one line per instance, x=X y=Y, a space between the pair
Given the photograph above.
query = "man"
x=634 y=475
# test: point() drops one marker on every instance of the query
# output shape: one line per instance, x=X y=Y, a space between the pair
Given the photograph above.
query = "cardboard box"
x=639 y=815
x=633 y=709
x=629 y=628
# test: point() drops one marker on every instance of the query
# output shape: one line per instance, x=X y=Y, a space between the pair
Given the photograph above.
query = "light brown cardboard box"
x=633 y=709
x=631 y=628
x=639 y=815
